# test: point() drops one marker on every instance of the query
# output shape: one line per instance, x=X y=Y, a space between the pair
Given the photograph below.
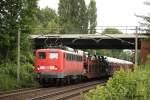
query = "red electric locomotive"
x=55 y=64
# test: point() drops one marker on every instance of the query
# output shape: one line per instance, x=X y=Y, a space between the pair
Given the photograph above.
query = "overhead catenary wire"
x=119 y=39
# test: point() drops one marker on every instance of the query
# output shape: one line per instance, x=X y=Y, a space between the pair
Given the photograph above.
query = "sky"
x=112 y=12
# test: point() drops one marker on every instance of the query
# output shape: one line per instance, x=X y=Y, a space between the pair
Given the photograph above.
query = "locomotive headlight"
x=38 y=68
x=53 y=68
x=42 y=67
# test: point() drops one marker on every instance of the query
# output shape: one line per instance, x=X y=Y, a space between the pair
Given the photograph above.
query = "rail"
x=68 y=92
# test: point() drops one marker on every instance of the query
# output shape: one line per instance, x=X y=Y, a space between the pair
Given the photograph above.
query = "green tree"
x=147 y=19
x=83 y=17
x=72 y=16
x=14 y=14
x=126 y=55
x=9 y=16
x=92 y=17
x=46 y=21
x=64 y=12
x=111 y=31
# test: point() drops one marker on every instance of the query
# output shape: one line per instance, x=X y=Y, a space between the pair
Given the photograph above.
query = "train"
x=64 y=65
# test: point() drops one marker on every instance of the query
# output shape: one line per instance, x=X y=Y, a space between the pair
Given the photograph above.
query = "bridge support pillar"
x=145 y=50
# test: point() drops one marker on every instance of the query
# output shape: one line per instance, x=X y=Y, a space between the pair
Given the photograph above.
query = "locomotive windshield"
x=53 y=55
x=42 y=55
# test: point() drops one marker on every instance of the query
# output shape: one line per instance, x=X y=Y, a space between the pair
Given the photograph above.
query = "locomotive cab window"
x=42 y=55
x=53 y=55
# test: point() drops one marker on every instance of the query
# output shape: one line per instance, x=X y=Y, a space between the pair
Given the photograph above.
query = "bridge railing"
x=123 y=29
x=98 y=29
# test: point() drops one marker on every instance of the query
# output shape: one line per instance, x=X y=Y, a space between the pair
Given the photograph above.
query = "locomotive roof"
x=59 y=47
x=67 y=50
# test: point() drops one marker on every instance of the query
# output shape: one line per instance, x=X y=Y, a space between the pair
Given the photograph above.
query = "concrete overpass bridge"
x=89 y=41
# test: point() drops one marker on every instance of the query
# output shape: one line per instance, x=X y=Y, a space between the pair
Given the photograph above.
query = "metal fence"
x=98 y=29
x=123 y=29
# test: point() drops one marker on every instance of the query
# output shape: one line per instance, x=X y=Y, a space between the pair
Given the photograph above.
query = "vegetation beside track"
x=23 y=12
x=124 y=86
x=8 y=76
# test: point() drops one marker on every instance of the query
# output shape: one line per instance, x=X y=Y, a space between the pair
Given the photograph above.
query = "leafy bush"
x=124 y=86
x=7 y=82
x=27 y=75
x=8 y=76
x=8 y=69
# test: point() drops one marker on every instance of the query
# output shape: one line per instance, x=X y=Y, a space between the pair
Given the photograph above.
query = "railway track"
x=68 y=92
x=12 y=91
x=51 y=93
x=19 y=94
